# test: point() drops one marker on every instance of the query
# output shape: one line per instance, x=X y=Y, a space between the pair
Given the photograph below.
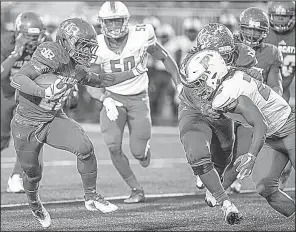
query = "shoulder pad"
x=7 y=43
x=51 y=54
x=245 y=56
x=223 y=100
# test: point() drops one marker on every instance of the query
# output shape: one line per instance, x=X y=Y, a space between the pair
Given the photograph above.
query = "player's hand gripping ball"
x=54 y=87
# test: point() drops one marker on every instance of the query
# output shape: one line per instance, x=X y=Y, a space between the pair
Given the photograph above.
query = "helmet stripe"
x=113 y=6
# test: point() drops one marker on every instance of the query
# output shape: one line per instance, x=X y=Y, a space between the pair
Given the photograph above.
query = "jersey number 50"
x=128 y=64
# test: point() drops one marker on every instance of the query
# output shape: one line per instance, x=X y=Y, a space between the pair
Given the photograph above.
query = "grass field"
x=173 y=203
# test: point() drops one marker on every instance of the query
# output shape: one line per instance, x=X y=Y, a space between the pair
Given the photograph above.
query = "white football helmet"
x=114 y=10
x=204 y=72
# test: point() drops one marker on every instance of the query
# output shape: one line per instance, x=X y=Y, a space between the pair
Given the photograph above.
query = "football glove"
x=55 y=90
x=179 y=89
x=110 y=105
x=244 y=165
x=73 y=98
x=207 y=110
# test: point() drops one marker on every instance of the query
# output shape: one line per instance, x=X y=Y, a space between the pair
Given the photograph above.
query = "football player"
x=253 y=29
x=282 y=34
x=248 y=101
x=185 y=42
x=207 y=136
x=39 y=116
x=17 y=48
x=121 y=47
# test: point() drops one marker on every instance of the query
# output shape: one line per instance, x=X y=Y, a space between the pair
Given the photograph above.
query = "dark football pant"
x=208 y=146
x=204 y=138
x=61 y=133
x=7 y=109
x=135 y=112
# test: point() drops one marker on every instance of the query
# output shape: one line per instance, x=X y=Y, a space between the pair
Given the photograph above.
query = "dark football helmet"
x=253 y=26
x=31 y=26
x=78 y=37
x=217 y=37
x=281 y=15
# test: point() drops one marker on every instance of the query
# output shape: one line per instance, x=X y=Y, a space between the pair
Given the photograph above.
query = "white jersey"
x=273 y=107
x=140 y=37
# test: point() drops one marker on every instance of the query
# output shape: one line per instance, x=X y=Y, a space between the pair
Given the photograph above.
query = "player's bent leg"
x=28 y=148
x=66 y=134
x=195 y=137
x=243 y=139
x=266 y=173
x=113 y=133
x=139 y=123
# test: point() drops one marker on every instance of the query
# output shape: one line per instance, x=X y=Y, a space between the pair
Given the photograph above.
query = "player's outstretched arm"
x=23 y=81
x=274 y=80
x=8 y=62
x=99 y=79
x=160 y=53
x=254 y=117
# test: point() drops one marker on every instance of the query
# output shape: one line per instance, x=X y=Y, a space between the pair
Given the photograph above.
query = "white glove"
x=110 y=105
x=141 y=66
x=177 y=93
x=55 y=91
x=244 y=165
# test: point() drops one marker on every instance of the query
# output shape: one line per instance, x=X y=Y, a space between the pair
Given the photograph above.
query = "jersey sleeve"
x=49 y=56
x=245 y=56
x=277 y=57
x=226 y=98
x=151 y=35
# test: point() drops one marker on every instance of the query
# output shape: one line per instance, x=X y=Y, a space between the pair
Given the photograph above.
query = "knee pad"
x=32 y=173
x=266 y=187
x=202 y=167
x=115 y=151
x=5 y=142
x=87 y=162
x=85 y=152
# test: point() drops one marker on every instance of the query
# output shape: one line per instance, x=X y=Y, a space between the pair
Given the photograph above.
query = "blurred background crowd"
x=176 y=25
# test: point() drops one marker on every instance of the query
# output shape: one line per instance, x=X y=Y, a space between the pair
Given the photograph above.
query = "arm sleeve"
x=23 y=81
x=151 y=35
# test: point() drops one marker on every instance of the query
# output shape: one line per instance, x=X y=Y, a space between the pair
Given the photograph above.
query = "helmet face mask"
x=30 y=25
x=251 y=36
x=115 y=27
x=281 y=16
x=253 y=26
x=78 y=37
x=114 y=17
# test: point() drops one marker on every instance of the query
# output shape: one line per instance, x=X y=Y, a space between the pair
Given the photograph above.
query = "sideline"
x=161 y=130
x=164 y=195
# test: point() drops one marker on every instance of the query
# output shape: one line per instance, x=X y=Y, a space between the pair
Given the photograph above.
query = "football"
x=47 y=79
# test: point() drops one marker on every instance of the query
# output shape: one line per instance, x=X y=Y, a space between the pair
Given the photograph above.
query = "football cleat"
x=99 y=203
x=40 y=213
x=199 y=183
x=145 y=161
x=136 y=196
x=231 y=214
x=15 y=184
x=210 y=200
x=236 y=186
